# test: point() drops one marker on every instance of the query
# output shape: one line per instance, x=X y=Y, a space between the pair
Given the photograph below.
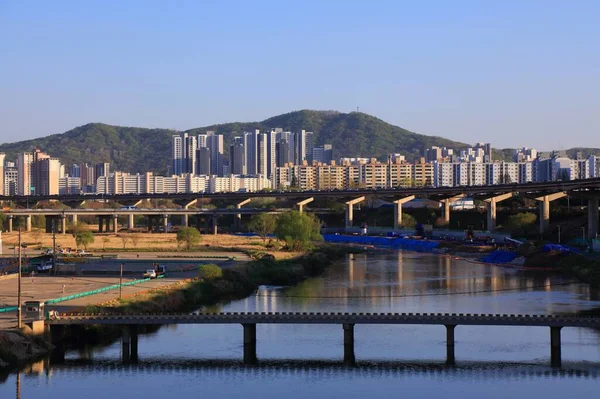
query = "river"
x=299 y=361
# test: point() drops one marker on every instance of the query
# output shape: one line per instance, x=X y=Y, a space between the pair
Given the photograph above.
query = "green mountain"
x=137 y=149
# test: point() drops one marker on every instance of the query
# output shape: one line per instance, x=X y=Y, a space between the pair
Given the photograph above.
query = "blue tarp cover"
x=390 y=242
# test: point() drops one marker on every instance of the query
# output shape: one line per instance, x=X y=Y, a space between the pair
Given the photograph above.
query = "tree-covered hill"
x=137 y=149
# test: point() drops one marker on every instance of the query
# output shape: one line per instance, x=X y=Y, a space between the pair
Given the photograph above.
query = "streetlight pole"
x=559 y=233
x=19 y=316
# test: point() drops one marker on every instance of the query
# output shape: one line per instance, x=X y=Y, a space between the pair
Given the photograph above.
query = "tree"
x=84 y=238
x=209 y=271
x=408 y=221
x=189 y=236
x=297 y=229
x=523 y=222
x=135 y=239
x=263 y=224
x=124 y=239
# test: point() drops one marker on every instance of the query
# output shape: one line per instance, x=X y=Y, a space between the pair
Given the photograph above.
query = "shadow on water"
x=324 y=368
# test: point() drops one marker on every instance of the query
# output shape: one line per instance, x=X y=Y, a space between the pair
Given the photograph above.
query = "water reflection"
x=370 y=283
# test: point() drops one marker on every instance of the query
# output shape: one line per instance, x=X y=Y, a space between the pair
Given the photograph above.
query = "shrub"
x=209 y=271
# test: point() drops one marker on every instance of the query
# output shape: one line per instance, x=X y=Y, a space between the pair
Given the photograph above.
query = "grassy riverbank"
x=235 y=283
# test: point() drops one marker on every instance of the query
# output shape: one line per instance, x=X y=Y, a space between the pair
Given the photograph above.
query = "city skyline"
x=497 y=72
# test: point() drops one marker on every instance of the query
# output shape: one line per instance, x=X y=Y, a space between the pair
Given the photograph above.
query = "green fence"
x=83 y=294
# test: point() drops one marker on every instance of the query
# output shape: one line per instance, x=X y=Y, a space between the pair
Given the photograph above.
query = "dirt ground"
x=139 y=242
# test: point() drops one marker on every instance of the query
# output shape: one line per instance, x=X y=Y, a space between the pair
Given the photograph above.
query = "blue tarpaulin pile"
x=389 y=242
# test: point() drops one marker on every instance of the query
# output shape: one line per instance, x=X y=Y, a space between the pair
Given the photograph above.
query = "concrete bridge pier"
x=74 y=219
x=100 y=224
x=10 y=223
x=446 y=206
x=555 y=347
x=301 y=204
x=349 y=358
x=592 y=218
x=491 y=209
x=398 y=210
x=125 y=345
x=545 y=209
x=450 y=359
x=250 y=343
x=130 y=221
x=115 y=226
x=185 y=220
x=165 y=223
x=27 y=222
x=215 y=225
x=133 y=334
x=238 y=216
x=63 y=224
x=350 y=210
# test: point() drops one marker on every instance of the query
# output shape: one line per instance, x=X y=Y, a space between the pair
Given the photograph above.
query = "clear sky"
x=513 y=73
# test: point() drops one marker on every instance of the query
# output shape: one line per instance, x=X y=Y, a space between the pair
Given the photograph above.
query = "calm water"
x=305 y=360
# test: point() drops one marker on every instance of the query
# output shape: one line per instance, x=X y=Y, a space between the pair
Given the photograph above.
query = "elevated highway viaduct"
x=544 y=193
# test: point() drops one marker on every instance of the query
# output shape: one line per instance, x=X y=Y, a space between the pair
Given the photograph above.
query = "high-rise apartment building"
x=214 y=142
x=237 y=157
x=3 y=190
x=177 y=154
x=203 y=161
x=190 y=155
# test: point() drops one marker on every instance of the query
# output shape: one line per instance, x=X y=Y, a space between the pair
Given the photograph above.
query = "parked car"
x=150 y=274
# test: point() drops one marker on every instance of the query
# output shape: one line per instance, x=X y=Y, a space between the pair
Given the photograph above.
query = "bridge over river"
x=249 y=321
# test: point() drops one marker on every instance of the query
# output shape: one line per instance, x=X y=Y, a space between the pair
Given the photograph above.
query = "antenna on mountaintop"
x=357 y=109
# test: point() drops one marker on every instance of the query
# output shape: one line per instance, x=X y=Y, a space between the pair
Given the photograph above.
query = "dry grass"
x=150 y=241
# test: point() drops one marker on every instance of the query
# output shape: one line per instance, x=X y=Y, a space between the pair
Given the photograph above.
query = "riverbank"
x=19 y=347
x=226 y=285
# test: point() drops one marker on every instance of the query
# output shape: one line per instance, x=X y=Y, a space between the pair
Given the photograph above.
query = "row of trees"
x=297 y=230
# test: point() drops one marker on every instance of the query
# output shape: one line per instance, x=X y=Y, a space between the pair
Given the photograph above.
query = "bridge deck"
x=332 y=318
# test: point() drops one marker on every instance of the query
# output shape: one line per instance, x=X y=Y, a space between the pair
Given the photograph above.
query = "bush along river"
x=296 y=361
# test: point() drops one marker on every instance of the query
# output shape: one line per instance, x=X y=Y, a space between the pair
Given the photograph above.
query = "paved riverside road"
x=49 y=287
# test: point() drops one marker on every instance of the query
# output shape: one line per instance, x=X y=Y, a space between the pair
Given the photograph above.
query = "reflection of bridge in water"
x=325 y=368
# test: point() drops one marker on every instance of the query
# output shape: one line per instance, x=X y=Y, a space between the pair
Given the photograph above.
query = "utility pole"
x=19 y=316
x=121 y=283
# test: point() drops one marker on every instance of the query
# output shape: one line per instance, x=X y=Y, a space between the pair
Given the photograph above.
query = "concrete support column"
x=130 y=221
x=349 y=357
x=349 y=215
x=10 y=223
x=63 y=224
x=133 y=349
x=446 y=211
x=215 y=226
x=74 y=219
x=491 y=209
x=398 y=210
x=304 y=202
x=555 y=347
x=125 y=345
x=545 y=209
x=350 y=210
x=27 y=222
x=250 y=343
x=544 y=215
x=592 y=218
x=450 y=360
x=149 y=223
x=100 y=224
x=165 y=220
x=185 y=220
x=115 y=224
x=238 y=216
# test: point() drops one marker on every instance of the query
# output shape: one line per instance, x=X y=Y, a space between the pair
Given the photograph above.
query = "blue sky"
x=514 y=73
